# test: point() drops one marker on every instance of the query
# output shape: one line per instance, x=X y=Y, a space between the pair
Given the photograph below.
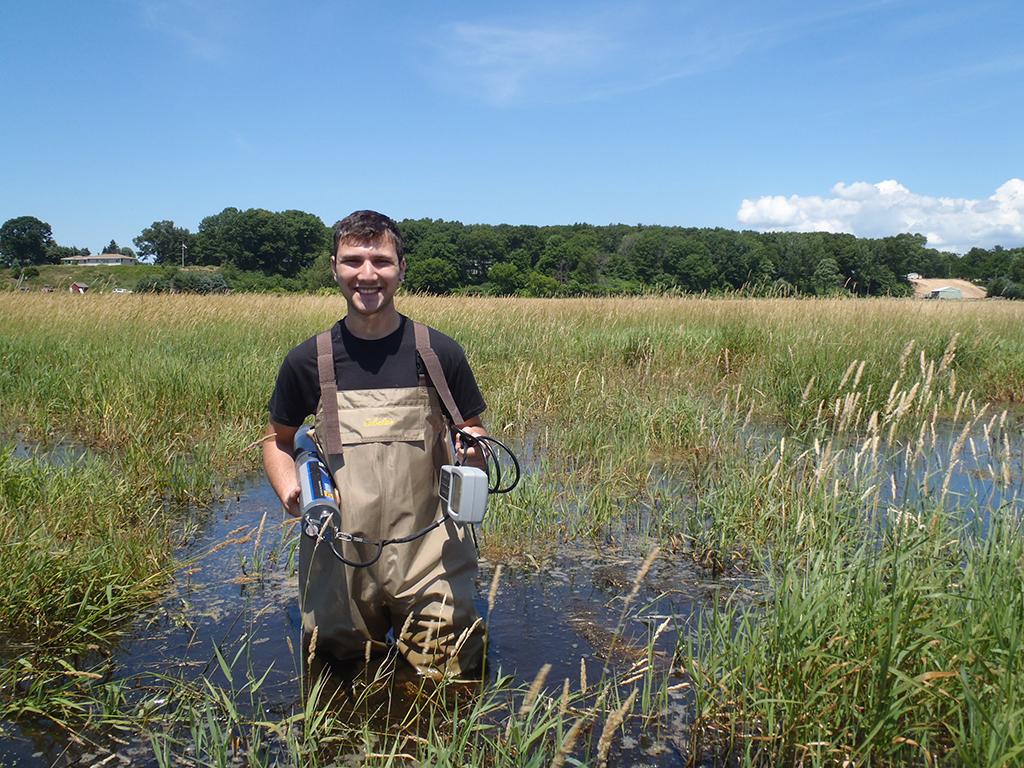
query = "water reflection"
x=236 y=594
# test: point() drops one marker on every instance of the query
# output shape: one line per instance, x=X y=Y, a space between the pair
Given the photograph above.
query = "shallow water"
x=984 y=476
x=236 y=591
x=59 y=453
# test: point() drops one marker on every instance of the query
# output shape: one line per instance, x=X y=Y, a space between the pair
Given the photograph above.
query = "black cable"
x=492 y=460
x=491 y=449
x=330 y=538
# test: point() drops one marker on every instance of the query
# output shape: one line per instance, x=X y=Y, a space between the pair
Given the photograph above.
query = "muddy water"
x=236 y=591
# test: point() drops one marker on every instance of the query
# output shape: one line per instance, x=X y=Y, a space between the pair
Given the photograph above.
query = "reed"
x=802 y=443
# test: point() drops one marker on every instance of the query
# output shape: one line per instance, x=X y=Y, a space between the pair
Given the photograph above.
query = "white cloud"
x=601 y=50
x=501 y=61
x=888 y=208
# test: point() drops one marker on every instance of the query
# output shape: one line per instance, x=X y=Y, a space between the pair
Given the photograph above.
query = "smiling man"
x=373 y=383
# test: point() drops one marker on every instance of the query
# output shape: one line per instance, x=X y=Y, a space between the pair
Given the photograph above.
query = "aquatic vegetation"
x=847 y=466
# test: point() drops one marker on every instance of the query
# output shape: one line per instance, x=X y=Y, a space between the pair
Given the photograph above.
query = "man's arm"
x=280 y=466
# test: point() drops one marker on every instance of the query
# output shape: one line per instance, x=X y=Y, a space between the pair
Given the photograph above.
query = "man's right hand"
x=291 y=501
x=280 y=467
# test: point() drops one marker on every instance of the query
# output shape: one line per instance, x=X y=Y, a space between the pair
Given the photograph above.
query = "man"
x=372 y=382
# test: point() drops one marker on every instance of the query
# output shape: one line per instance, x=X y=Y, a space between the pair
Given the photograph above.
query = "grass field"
x=753 y=436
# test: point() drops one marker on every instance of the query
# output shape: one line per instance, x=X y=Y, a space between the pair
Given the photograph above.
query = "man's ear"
x=402 y=266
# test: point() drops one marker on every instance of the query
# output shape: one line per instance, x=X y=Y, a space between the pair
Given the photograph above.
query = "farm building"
x=100 y=260
x=78 y=288
x=946 y=292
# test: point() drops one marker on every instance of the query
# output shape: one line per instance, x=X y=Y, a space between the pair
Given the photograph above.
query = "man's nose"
x=366 y=269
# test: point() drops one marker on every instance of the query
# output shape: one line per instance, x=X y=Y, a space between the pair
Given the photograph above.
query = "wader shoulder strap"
x=435 y=373
x=328 y=394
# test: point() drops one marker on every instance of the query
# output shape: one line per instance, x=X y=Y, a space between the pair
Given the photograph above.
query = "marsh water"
x=235 y=594
x=236 y=591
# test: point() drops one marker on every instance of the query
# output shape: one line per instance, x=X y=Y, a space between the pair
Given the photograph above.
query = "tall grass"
x=902 y=651
x=790 y=440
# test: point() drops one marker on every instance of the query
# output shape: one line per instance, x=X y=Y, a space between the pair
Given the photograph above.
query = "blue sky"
x=868 y=117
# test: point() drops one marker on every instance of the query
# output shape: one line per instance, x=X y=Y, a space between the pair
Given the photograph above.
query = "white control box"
x=463 y=492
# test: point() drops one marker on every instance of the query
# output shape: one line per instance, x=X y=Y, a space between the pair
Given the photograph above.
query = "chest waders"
x=384 y=448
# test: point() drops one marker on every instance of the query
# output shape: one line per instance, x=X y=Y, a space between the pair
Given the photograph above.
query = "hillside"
x=60 y=276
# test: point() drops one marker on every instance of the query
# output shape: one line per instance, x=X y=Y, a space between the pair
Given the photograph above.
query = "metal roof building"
x=946 y=292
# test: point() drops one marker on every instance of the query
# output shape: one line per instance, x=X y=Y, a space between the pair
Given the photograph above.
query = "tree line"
x=258 y=249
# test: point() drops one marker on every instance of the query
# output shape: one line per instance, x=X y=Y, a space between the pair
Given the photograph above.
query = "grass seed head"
x=535 y=689
x=611 y=725
x=492 y=594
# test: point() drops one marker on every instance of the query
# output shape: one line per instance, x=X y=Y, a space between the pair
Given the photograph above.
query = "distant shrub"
x=1005 y=288
x=258 y=282
x=318 y=275
x=177 y=281
x=615 y=286
x=540 y=285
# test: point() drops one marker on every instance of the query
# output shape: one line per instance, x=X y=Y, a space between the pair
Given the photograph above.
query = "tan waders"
x=385 y=466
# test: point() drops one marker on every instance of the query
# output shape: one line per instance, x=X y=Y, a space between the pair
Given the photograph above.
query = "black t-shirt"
x=383 y=363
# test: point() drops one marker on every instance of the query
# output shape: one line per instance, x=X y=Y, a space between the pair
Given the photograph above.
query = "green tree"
x=505 y=279
x=827 y=277
x=432 y=275
x=57 y=252
x=648 y=254
x=318 y=275
x=25 y=240
x=563 y=254
x=555 y=260
x=162 y=241
x=258 y=240
x=587 y=272
x=481 y=246
x=541 y=285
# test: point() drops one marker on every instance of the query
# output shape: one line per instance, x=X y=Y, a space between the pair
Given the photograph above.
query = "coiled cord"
x=492 y=450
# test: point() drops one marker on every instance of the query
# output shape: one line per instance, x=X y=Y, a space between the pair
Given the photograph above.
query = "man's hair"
x=367 y=228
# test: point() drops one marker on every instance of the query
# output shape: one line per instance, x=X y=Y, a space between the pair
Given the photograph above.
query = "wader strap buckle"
x=331 y=433
x=435 y=373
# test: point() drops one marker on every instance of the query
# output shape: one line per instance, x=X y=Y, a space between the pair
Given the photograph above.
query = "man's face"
x=368 y=275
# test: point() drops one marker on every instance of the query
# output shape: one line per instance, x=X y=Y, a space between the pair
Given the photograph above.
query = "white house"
x=100 y=260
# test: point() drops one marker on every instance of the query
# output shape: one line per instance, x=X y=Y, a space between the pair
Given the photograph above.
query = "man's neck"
x=375 y=326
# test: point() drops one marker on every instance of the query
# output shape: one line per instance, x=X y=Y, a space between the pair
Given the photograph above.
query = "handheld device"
x=316 y=488
x=463 y=491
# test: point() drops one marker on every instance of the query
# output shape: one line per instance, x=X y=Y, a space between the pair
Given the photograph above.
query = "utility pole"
x=183 y=247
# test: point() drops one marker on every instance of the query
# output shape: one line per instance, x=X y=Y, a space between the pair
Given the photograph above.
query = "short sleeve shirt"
x=384 y=363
